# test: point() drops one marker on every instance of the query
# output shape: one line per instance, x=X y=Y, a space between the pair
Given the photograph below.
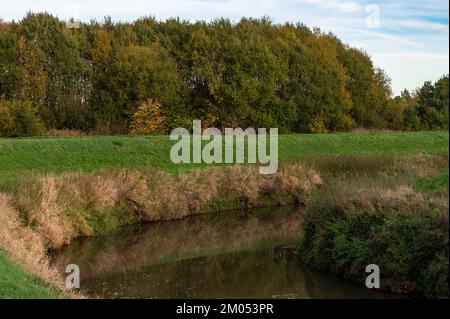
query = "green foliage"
x=411 y=247
x=18 y=119
x=427 y=108
x=365 y=215
x=252 y=73
x=136 y=74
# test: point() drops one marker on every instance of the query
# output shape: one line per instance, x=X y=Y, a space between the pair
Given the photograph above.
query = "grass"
x=59 y=209
x=432 y=183
x=385 y=210
x=16 y=283
x=93 y=153
x=55 y=189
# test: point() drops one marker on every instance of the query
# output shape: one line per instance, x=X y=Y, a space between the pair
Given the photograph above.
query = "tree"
x=253 y=73
x=6 y=121
x=136 y=74
x=33 y=81
x=101 y=50
x=18 y=118
x=147 y=120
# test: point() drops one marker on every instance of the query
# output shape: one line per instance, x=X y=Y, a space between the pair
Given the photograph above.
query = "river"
x=220 y=255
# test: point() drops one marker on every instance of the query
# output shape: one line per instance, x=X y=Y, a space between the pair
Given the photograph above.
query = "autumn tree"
x=31 y=61
x=147 y=120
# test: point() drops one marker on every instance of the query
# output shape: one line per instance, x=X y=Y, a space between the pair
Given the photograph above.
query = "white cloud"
x=339 y=5
x=415 y=24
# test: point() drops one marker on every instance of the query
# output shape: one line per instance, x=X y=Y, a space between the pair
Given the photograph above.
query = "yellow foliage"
x=317 y=125
x=148 y=119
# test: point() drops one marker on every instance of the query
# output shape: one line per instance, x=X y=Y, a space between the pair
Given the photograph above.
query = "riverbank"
x=55 y=190
x=17 y=283
x=48 y=212
x=392 y=212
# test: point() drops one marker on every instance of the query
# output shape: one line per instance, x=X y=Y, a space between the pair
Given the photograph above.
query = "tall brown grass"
x=46 y=212
x=26 y=246
x=65 y=207
x=371 y=211
x=64 y=133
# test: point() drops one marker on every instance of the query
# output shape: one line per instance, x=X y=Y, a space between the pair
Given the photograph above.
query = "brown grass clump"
x=64 y=207
x=45 y=212
x=25 y=245
x=64 y=133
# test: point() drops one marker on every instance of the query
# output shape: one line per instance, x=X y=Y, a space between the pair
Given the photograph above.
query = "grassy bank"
x=17 y=283
x=61 y=208
x=93 y=153
x=46 y=212
x=53 y=190
x=388 y=211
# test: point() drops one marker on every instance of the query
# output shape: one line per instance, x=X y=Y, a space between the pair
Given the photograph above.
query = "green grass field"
x=56 y=155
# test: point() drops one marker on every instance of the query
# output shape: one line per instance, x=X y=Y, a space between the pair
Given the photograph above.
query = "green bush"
x=405 y=235
x=18 y=119
x=6 y=121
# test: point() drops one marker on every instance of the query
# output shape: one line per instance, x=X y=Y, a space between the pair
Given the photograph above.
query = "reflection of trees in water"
x=163 y=242
x=323 y=285
x=243 y=274
x=220 y=255
x=237 y=274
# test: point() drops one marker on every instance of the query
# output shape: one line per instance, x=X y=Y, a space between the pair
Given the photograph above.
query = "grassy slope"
x=38 y=155
x=16 y=283
x=432 y=183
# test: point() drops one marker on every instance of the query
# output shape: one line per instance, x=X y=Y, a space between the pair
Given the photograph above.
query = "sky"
x=408 y=39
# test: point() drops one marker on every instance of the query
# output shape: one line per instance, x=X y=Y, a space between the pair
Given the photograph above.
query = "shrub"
x=148 y=119
x=6 y=121
x=348 y=228
x=18 y=118
x=317 y=125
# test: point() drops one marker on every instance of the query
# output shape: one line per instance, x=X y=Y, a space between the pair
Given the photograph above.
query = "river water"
x=221 y=255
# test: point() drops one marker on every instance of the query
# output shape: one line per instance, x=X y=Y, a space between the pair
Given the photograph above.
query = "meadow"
x=24 y=156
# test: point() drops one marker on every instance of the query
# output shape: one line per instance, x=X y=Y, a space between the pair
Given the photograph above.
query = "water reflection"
x=226 y=255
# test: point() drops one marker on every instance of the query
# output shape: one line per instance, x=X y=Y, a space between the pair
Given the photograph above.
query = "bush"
x=148 y=119
x=403 y=233
x=317 y=125
x=6 y=121
x=18 y=118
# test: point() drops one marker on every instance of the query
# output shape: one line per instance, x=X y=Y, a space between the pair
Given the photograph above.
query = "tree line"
x=99 y=77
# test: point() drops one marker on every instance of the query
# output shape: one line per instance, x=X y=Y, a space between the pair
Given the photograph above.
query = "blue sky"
x=409 y=39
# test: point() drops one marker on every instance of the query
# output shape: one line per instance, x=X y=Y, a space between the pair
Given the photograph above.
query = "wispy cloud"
x=339 y=5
